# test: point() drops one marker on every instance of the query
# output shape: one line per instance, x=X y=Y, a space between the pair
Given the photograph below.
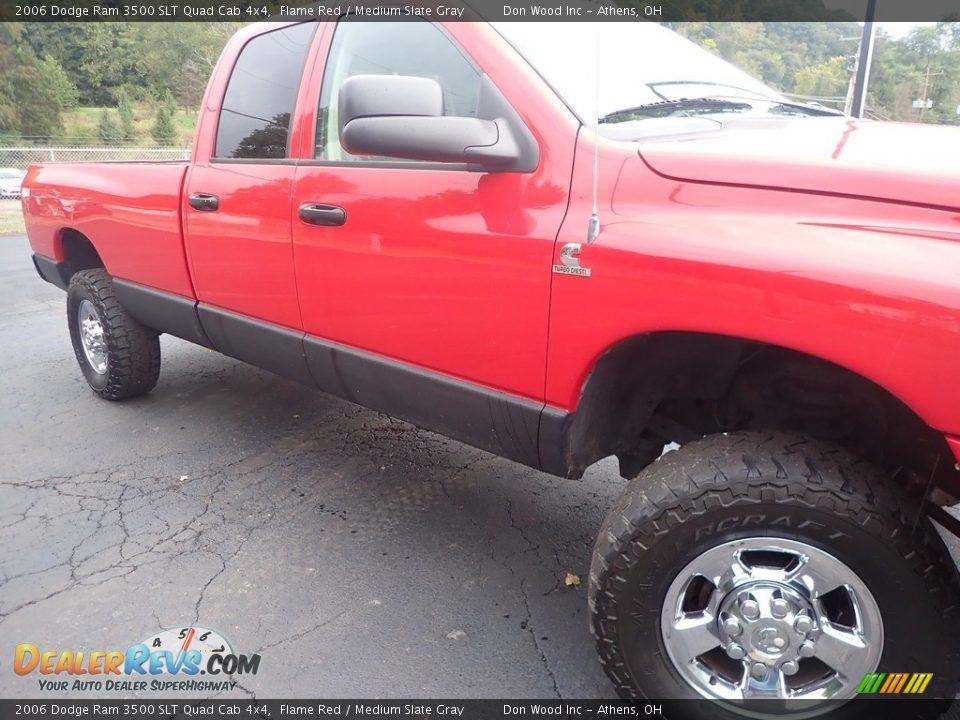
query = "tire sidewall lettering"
x=655 y=568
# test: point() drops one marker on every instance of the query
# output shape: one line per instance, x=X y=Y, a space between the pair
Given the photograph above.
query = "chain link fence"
x=20 y=157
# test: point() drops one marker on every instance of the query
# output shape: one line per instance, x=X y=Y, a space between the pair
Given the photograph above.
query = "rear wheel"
x=119 y=357
x=766 y=567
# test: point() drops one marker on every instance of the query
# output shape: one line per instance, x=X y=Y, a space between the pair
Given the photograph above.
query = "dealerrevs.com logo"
x=169 y=661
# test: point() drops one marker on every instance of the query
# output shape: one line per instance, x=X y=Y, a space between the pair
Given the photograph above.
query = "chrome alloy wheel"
x=770 y=618
x=91 y=336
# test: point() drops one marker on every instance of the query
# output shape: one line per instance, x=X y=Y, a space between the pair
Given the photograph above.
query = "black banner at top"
x=474 y=10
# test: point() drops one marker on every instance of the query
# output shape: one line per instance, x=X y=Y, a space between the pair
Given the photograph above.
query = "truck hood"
x=896 y=162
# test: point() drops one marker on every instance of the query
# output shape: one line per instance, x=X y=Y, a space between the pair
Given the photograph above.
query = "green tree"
x=108 y=130
x=828 y=79
x=30 y=100
x=59 y=82
x=817 y=59
x=125 y=111
x=9 y=59
x=97 y=56
x=164 y=131
x=926 y=63
x=179 y=57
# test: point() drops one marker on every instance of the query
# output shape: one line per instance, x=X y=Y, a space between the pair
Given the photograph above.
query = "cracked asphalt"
x=360 y=556
x=343 y=546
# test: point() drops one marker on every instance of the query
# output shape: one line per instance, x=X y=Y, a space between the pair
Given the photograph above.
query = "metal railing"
x=20 y=157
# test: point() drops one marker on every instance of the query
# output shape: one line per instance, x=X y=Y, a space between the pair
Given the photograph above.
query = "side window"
x=258 y=103
x=414 y=48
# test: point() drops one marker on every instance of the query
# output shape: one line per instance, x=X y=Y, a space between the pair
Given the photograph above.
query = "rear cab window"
x=258 y=104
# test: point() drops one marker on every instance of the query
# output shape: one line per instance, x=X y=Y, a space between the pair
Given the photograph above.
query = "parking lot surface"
x=358 y=555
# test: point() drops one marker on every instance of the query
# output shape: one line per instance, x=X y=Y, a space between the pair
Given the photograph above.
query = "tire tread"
x=133 y=350
x=688 y=483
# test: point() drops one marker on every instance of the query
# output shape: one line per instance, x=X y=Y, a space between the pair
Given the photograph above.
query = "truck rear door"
x=237 y=202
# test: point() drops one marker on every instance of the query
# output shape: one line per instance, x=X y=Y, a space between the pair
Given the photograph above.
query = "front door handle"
x=204 y=201
x=317 y=214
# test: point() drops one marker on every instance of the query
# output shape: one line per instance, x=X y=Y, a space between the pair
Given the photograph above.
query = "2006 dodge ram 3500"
x=402 y=214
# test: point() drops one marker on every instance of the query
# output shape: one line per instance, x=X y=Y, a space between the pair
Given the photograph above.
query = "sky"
x=898 y=30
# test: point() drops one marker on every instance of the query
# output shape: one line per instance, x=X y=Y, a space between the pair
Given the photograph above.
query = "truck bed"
x=132 y=208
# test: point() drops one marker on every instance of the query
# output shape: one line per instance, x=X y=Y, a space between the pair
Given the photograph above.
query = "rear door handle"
x=317 y=214
x=204 y=201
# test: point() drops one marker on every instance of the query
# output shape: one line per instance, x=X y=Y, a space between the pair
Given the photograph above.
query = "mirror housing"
x=402 y=117
x=364 y=96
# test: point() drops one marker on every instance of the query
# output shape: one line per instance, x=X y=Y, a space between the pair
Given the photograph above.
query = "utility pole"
x=864 y=59
x=926 y=90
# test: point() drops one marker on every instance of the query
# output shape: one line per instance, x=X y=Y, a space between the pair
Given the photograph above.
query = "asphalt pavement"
x=358 y=555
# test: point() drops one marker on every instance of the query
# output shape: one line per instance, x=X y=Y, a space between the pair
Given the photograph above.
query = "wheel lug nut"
x=759 y=671
x=731 y=626
x=807 y=649
x=749 y=609
x=803 y=624
x=736 y=652
x=790 y=667
x=779 y=607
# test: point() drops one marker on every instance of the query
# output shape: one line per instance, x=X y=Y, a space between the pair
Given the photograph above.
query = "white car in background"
x=10 y=181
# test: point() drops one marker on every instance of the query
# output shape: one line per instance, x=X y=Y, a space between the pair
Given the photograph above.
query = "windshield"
x=641 y=63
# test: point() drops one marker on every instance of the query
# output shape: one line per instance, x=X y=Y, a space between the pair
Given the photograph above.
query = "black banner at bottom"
x=873 y=709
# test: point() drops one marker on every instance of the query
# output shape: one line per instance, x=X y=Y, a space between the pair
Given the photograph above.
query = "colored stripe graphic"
x=869 y=683
x=891 y=680
x=894 y=683
x=876 y=685
x=903 y=680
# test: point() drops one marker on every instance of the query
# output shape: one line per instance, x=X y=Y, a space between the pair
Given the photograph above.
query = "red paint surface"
x=868 y=285
x=447 y=270
x=132 y=210
x=954 y=443
x=240 y=255
x=773 y=235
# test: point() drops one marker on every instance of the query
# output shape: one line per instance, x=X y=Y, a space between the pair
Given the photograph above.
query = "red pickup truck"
x=753 y=303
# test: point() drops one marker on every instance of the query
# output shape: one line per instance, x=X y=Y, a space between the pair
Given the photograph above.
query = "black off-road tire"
x=727 y=487
x=133 y=351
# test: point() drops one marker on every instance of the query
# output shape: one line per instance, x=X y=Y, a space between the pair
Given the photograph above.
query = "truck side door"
x=437 y=272
x=237 y=197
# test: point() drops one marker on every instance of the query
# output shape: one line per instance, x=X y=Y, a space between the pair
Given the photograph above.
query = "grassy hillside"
x=80 y=125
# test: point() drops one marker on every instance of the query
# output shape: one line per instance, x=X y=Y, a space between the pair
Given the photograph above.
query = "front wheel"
x=772 y=568
x=119 y=357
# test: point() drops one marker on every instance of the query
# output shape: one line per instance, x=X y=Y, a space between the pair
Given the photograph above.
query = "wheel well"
x=673 y=387
x=78 y=254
